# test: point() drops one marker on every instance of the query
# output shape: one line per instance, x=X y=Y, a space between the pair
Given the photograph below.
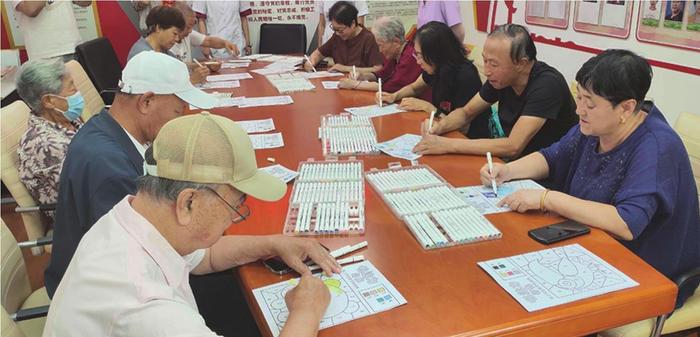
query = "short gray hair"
x=37 y=78
x=167 y=189
x=389 y=28
x=521 y=44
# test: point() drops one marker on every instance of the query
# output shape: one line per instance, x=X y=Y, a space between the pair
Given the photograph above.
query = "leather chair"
x=14 y=124
x=281 y=38
x=28 y=308
x=93 y=102
x=102 y=66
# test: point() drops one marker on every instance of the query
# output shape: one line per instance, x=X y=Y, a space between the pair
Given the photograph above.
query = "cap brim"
x=262 y=186
x=198 y=98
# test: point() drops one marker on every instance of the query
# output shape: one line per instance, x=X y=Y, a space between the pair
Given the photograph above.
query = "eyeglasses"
x=242 y=211
x=338 y=30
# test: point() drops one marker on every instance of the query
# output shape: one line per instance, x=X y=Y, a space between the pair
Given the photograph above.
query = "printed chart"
x=555 y=276
x=359 y=291
x=484 y=200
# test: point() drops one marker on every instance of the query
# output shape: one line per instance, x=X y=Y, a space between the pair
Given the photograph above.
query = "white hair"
x=37 y=78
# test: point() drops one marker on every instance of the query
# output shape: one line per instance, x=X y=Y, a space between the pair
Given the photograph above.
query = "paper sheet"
x=266 y=101
x=286 y=84
x=228 y=77
x=359 y=291
x=555 y=276
x=234 y=65
x=219 y=85
x=271 y=71
x=330 y=84
x=254 y=56
x=257 y=125
x=374 y=110
x=483 y=199
x=588 y=12
x=224 y=100
x=614 y=15
x=318 y=74
x=281 y=172
x=267 y=141
x=401 y=147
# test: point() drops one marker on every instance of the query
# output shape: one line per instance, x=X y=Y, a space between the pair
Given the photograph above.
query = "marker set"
x=431 y=208
x=327 y=198
x=288 y=84
x=346 y=134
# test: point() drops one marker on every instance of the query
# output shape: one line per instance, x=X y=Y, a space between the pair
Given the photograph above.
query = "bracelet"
x=544 y=195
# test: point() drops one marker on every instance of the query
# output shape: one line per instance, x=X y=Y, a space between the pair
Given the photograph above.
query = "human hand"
x=523 y=200
x=347 y=83
x=199 y=75
x=232 y=48
x=432 y=144
x=206 y=51
x=311 y=295
x=500 y=173
x=339 y=68
x=415 y=104
x=386 y=97
x=308 y=67
x=294 y=251
x=248 y=50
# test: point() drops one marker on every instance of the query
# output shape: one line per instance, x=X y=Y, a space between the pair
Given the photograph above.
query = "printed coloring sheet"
x=555 y=276
x=359 y=291
x=484 y=200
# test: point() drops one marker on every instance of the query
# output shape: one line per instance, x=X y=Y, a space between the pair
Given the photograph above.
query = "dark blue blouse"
x=648 y=178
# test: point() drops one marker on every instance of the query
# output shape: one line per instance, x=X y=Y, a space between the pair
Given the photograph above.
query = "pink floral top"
x=41 y=151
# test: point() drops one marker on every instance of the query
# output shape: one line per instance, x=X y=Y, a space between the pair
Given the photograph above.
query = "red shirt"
x=398 y=74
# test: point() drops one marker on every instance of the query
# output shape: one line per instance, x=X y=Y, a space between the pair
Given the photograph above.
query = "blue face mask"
x=76 y=104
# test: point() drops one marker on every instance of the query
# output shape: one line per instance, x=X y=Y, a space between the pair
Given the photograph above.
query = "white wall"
x=674 y=92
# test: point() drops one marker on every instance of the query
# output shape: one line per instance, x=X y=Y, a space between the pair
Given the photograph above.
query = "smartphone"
x=277 y=265
x=558 y=232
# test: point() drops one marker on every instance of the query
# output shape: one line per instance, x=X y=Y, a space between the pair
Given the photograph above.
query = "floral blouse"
x=41 y=151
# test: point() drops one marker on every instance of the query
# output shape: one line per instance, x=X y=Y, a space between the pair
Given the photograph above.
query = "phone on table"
x=558 y=232
x=277 y=265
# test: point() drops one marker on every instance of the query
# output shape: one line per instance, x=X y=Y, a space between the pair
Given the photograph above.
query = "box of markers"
x=430 y=207
x=328 y=198
x=347 y=135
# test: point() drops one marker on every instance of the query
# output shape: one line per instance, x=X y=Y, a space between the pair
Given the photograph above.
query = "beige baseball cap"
x=210 y=149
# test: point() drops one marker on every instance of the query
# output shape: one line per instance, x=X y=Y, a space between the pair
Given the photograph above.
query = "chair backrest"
x=100 y=63
x=282 y=38
x=93 y=101
x=15 y=286
x=688 y=127
x=14 y=118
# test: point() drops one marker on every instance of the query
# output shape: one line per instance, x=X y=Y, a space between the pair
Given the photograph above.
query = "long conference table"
x=448 y=294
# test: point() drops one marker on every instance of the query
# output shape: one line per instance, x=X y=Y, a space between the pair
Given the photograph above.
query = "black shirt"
x=453 y=86
x=546 y=95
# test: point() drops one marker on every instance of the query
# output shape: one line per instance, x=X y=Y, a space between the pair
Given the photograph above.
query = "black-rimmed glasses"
x=242 y=210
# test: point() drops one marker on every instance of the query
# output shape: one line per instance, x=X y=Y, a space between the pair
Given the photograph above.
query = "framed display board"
x=610 y=17
x=670 y=23
x=548 y=13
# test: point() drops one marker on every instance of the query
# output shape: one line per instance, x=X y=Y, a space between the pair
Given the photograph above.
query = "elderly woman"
x=622 y=169
x=400 y=68
x=56 y=106
x=351 y=45
x=453 y=78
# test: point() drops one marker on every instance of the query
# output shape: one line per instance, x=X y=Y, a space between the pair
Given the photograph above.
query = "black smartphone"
x=277 y=265
x=558 y=231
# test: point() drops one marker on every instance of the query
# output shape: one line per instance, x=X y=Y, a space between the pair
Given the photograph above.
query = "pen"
x=493 y=181
x=348 y=249
x=430 y=122
x=380 y=89
x=347 y=260
x=312 y=65
x=354 y=73
x=199 y=64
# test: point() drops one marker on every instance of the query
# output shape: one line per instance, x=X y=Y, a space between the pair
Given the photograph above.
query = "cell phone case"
x=558 y=232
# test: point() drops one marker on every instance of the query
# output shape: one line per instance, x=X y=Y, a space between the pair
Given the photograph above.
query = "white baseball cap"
x=162 y=74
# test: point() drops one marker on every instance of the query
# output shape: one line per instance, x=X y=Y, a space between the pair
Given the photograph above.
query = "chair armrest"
x=687 y=277
x=43 y=208
x=30 y=313
x=42 y=241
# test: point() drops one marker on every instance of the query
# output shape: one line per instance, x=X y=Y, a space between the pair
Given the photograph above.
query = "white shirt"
x=322 y=7
x=224 y=21
x=139 y=147
x=53 y=32
x=183 y=49
x=125 y=279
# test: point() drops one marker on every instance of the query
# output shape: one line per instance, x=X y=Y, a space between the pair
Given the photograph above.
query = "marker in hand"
x=354 y=73
x=380 y=89
x=493 y=180
x=197 y=62
x=311 y=64
x=430 y=122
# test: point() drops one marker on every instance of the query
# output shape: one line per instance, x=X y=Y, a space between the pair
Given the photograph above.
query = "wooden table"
x=447 y=293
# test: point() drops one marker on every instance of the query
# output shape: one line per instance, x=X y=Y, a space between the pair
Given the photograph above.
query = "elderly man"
x=106 y=155
x=400 y=68
x=129 y=273
x=188 y=38
x=535 y=106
